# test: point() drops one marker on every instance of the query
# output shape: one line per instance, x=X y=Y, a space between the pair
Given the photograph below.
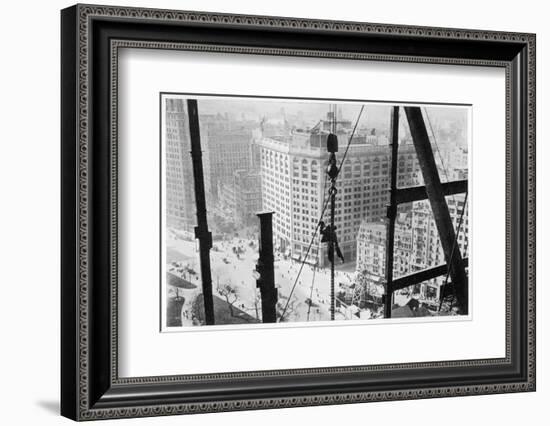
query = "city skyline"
x=254 y=109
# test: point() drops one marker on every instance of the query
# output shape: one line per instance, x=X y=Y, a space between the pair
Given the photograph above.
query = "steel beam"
x=436 y=196
x=201 y=230
x=391 y=212
x=418 y=193
x=421 y=276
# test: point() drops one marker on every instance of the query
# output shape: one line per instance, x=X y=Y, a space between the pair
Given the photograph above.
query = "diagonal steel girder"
x=436 y=196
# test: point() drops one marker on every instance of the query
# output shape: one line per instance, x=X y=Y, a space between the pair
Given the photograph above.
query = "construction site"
x=285 y=211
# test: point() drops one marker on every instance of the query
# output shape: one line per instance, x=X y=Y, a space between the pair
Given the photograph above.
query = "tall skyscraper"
x=179 y=188
x=294 y=186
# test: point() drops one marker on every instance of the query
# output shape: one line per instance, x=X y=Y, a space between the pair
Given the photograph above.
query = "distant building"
x=249 y=196
x=427 y=248
x=275 y=127
x=242 y=197
x=457 y=156
x=371 y=248
x=230 y=147
x=416 y=245
x=293 y=175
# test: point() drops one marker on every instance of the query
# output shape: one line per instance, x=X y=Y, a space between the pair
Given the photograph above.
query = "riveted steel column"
x=332 y=172
x=201 y=230
x=266 y=268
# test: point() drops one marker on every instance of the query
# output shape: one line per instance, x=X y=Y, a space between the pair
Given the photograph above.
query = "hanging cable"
x=311 y=290
x=318 y=255
x=438 y=150
x=321 y=217
x=435 y=142
x=455 y=244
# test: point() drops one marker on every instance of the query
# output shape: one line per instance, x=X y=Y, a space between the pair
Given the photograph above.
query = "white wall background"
x=29 y=211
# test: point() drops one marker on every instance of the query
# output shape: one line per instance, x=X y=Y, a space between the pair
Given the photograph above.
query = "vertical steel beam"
x=332 y=172
x=436 y=196
x=266 y=282
x=331 y=250
x=201 y=230
x=391 y=211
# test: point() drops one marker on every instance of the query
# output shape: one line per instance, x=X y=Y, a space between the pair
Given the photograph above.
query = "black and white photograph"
x=264 y=210
x=308 y=211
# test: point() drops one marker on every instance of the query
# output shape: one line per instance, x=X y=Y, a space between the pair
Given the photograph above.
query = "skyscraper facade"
x=295 y=187
x=179 y=194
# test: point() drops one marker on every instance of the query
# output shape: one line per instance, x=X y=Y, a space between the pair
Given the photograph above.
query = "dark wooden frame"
x=90 y=386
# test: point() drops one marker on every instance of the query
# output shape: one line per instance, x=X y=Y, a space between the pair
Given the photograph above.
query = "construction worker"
x=329 y=236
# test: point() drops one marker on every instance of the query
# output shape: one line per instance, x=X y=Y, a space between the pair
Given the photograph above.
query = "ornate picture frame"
x=91 y=37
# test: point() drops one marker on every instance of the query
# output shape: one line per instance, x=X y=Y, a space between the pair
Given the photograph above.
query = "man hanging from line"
x=328 y=235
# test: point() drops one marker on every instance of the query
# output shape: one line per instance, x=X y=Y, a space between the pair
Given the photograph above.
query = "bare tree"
x=231 y=295
x=290 y=308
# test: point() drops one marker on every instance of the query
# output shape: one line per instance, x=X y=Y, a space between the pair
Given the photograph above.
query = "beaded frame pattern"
x=87 y=12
